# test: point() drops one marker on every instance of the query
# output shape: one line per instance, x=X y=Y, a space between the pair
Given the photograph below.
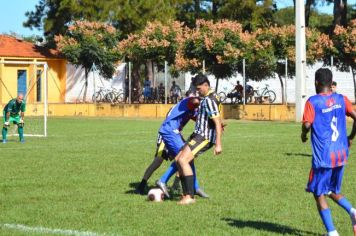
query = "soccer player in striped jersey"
x=325 y=115
x=170 y=142
x=207 y=133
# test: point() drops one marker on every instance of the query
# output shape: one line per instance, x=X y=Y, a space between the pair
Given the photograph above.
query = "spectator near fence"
x=175 y=92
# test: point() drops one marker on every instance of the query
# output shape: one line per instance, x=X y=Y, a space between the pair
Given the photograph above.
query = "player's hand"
x=223 y=126
x=6 y=123
x=303 y=137
x=217 y=150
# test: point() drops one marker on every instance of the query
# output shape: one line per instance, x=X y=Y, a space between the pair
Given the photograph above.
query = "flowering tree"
x=156 y=43
x=221 y=45
x=87 y=43
x=345 y=42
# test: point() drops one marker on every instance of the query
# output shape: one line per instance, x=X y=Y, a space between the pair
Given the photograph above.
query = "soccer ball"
x=155 y=195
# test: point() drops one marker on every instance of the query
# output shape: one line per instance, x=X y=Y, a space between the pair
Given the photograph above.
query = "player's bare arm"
x=218 y=127
x=353 y=131
x=305 y=130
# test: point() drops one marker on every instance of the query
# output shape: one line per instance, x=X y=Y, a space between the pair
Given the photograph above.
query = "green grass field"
x=81 y=178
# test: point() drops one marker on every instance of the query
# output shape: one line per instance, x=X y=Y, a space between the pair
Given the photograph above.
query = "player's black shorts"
x=161 y=150
x=198 y=144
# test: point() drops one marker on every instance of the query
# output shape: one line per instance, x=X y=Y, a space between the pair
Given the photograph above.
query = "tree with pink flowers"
x=86 y=43
x=344 y=39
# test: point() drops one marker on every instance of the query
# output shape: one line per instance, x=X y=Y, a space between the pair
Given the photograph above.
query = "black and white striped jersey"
x=210 y=107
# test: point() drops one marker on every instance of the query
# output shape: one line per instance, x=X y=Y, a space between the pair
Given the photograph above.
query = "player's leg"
x=186 y=174
x=325 y=214
x=174 y=143
x=198 y=190
x=318 y=184
x=338 y=198
x=20 y=127
x=4 y=128
x=155 y=164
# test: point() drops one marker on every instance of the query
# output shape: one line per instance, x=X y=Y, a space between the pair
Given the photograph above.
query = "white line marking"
x=43 y=230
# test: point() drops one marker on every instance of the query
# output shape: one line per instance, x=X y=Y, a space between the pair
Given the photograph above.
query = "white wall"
x=76 y=80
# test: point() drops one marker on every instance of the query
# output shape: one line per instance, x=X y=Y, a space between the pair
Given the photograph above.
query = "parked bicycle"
x=109 y=96
x=264 y=94
x=230 y=97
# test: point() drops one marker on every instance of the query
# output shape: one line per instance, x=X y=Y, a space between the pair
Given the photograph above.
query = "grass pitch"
x=82 y=176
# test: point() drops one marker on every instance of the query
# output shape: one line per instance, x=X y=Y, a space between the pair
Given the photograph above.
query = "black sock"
x=189 y=180
x=184 y=185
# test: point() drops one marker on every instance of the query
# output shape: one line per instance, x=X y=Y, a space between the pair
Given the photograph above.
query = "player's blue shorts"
x=174 y=143
x=322 y=181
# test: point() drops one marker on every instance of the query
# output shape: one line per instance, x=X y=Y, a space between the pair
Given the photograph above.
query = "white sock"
x=353 y=211
x=333 y=233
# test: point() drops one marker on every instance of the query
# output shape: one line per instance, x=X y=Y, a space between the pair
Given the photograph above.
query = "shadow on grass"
x=133 y=186
x=267 y=226
x=298 y=154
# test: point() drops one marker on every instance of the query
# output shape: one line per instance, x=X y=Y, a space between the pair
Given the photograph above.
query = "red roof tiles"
x=12 y=47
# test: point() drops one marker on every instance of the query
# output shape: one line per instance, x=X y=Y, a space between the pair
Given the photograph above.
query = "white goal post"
x=41 y=129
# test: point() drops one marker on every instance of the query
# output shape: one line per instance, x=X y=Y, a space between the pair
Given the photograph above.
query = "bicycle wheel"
x=109 y=97
x=96 y=97
x=271 y=95
x=222 y=96
x=119 y=98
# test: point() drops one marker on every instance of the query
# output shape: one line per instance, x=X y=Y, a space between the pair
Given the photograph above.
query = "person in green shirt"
x=14 y=112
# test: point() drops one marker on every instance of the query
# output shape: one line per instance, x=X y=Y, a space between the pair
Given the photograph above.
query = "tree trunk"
x=214 y=10
x=197 y=9
x=282 y=87
x=85 y=85
x=340 y=13
x=308 y=5
x=136 y=83
x=149 y=70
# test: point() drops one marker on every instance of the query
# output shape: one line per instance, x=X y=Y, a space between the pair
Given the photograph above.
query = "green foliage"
x=53 y=16
x=82 y=176
x=249 y=13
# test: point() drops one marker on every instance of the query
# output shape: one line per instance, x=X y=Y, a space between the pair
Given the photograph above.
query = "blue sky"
x=12 y=14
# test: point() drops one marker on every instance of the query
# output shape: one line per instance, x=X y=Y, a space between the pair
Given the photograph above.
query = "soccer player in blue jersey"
x=325 y=115
x=169 y=143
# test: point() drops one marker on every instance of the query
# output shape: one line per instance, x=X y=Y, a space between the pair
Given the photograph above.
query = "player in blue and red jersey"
x=170 y=141
x=325 y=115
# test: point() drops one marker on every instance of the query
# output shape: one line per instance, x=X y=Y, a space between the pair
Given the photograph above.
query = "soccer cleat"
x=163 y=187
x=4 y=141
x=186 y=200
x=22 y=140
x=201 y=193
x=141 y=189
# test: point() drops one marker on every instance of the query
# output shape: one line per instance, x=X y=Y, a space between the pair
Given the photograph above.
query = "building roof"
x=13 y=47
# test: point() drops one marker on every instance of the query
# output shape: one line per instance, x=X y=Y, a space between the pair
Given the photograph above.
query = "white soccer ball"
x=155 y=195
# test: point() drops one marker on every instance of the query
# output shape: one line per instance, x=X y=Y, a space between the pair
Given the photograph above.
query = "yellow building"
x=17 y=77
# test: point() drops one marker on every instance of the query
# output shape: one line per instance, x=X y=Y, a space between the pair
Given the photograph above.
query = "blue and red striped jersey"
x=178 y=116
x=327 y=115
